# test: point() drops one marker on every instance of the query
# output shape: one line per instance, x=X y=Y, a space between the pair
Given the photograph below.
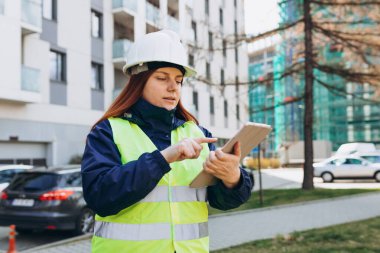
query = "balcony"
x=1 y=7
x=119 y=51
x=152 y=14
x=31 y=16
x=30 y=79
x=29 y=89
x=125 y=5
x=173 y=24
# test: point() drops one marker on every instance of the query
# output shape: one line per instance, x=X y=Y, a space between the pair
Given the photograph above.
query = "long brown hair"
x=131 y=93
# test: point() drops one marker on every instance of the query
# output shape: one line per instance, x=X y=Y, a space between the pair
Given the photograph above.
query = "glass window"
x=57 y=66
x=224 y=48
x=225 y=108
x=210 y=41
x=374 y=159
x=353 y=161
x=97 y=76
x=195 y=100
x=237 y=112
x=194 y=27
x=221 y=16
x=208 y=74
x=222 y=77
x=207 y=6
x=191 y=60
x=212 y=107
x=96 y=24
x=34 y=182
x=49 y=9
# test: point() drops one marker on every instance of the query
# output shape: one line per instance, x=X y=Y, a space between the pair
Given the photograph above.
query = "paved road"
x=292 y=178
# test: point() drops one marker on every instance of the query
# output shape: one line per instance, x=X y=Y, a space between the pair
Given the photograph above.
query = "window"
x=235 y=28
x=225 y=109
x=236 y=55
x=49 y=9
x=224 y=48
x=222 y=77
x=221 y=16
x=235 y=3
x=212 y=106
x=96 y=24
x=57 y=66
x=96 y=76
x=194 y=27
x=207 y=7
x=237 y=112
x=236 y=84
x=195 y=100
x=191 y=60
x=210 y=41
x=208 y=74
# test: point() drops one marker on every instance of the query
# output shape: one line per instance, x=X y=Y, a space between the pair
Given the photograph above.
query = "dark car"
x=46 y=199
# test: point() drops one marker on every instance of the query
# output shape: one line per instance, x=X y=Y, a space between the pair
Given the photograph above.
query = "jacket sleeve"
x=109 y=186
x=223 y=198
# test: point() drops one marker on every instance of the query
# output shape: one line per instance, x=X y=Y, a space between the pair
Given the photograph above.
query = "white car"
x=7 y=172
x=346 y=167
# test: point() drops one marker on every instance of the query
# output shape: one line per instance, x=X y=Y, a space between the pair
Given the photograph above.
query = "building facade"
x=60 y=68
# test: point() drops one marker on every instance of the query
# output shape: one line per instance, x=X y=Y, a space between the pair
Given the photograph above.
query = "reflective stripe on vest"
x=144 y=232
x=179 y=194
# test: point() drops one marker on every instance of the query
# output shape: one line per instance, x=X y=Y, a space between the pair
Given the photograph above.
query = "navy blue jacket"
x=109 y=186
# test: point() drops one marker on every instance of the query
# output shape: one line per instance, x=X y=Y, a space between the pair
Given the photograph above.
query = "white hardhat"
x=162 y=46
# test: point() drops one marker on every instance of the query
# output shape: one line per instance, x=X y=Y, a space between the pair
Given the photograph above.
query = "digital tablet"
x=249 y=136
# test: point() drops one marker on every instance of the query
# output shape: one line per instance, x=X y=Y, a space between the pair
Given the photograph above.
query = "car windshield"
x=7 y=175
x=34 y=182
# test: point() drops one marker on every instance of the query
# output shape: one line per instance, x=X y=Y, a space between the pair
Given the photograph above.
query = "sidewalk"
x=236 y=228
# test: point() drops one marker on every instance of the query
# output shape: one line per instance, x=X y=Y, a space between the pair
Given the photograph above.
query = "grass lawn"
x=355 y=237
x=288 y=196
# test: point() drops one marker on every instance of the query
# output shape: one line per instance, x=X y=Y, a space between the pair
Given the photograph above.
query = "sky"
x=260 y=15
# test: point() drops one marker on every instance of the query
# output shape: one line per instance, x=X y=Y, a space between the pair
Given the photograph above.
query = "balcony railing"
x=152 y=13
x=32 y=13
x=30 y=79
x=127 y=4
x=120 y=48
x=173 y=24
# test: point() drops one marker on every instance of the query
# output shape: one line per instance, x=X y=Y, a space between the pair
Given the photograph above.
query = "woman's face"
x=163 y=88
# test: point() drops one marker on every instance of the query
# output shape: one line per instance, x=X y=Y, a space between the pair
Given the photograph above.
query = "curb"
x=58 y=243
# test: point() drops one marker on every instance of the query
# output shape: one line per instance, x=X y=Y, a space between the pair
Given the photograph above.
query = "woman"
x=141 y=156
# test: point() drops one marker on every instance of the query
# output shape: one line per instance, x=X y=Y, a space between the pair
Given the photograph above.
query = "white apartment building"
x=61 y=60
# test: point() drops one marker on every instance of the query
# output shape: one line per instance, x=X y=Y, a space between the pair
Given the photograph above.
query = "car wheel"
x=85 y=222
x=377 y=176
x=327 y=177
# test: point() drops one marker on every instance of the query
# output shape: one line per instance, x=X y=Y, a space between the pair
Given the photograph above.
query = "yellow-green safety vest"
x=173 y=217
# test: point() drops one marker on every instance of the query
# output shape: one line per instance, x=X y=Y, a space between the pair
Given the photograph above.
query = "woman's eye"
x=179 y=82
x=161 y=78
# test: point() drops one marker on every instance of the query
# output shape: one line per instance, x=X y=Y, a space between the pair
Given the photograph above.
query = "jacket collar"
x=144 y=114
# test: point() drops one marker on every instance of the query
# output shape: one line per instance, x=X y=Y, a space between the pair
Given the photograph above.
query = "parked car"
x=7 y=172
x=46 y=199
x=346 y=167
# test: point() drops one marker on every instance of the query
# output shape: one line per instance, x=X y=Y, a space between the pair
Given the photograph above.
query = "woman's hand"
x=224 y=166
x=185 y=149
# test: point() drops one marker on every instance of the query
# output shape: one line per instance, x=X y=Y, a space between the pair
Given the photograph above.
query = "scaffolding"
x=343 y=112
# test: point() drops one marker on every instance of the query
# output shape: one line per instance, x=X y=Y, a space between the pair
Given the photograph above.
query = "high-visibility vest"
x=173 y=217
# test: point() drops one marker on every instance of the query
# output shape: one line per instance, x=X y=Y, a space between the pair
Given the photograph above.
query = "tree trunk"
x=308 y=113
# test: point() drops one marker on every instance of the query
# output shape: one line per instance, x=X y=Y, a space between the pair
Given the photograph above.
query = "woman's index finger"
x=205 y=140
